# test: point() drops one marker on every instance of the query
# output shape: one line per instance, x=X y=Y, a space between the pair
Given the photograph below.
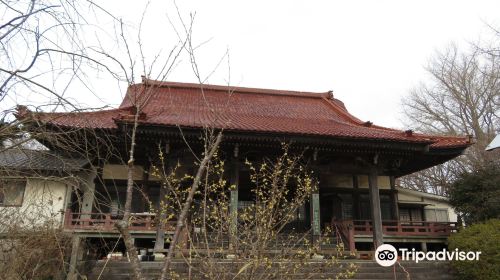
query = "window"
x=416 y=214
x=404 y=214
x=410 y=214
x=385 y=207
x=12 y=192
x=436 y=215
x=347 y=206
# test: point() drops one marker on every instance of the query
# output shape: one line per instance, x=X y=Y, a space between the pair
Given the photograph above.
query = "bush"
x=37 y=253
x=476 y=195
x=484 y=237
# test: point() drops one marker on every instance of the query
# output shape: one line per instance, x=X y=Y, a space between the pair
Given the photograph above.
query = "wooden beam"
x=375 y=208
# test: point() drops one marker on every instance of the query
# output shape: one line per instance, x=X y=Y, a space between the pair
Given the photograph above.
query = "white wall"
x=43 y=201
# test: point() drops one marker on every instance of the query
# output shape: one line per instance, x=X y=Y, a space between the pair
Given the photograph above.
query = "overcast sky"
x=369 y=53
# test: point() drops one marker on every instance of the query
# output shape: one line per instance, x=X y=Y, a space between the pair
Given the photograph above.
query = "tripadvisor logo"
x=387 y=255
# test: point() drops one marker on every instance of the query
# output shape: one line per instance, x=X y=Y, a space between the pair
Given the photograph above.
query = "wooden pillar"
x=356 y=213
x=75 y=247
x=424 y=246
x=233 y=207
x=160 y=223
x=88 y=194
x=375 y=208
x=394 y=199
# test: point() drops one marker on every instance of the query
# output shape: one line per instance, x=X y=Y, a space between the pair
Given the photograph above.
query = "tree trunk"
x=123 y=225
x=185 y=209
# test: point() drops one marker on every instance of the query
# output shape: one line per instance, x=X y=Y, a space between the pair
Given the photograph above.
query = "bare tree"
x=138 y=100
x=262 y=247
x=46 y=55
x=462 y=97
x=45 y=52
x=45 y=49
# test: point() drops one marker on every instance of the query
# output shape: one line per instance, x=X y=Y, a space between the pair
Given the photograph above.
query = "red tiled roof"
x=242 y=109
x=104 y=119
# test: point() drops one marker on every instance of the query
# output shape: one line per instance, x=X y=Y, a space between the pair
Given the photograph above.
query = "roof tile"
x=242 y=109
x=14 y=158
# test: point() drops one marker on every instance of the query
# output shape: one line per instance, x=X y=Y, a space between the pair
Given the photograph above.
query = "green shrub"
x=484 y=237
x=476 y=195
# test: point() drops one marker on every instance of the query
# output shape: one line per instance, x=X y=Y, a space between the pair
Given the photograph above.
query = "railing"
x=106 y=221
x=344 y=231
x=403 y=228
x=350 y=228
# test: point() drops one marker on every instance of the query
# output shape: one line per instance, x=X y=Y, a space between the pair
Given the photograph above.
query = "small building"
x=356 y=162
x=35 y=187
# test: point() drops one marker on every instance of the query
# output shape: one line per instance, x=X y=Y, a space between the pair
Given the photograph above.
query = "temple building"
x=356 y=162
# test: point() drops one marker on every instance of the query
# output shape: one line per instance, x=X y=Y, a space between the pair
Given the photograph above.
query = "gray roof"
x=494 y=144
x=23 y=159
x=421 y=193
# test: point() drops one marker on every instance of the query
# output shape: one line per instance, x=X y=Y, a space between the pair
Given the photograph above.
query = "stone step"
x=292 y=276
x=361 y=264
x=366 y=270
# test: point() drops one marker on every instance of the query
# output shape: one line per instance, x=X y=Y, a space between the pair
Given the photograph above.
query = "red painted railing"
x=106 y=221
x=402 y=228
x=350 y=228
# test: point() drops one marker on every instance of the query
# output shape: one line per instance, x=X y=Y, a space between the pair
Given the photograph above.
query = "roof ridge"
x=82 y=112
x=342 y=111
x=235 y=89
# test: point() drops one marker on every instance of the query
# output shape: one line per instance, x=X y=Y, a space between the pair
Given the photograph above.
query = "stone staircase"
x=283 y=240
x=366 y=270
